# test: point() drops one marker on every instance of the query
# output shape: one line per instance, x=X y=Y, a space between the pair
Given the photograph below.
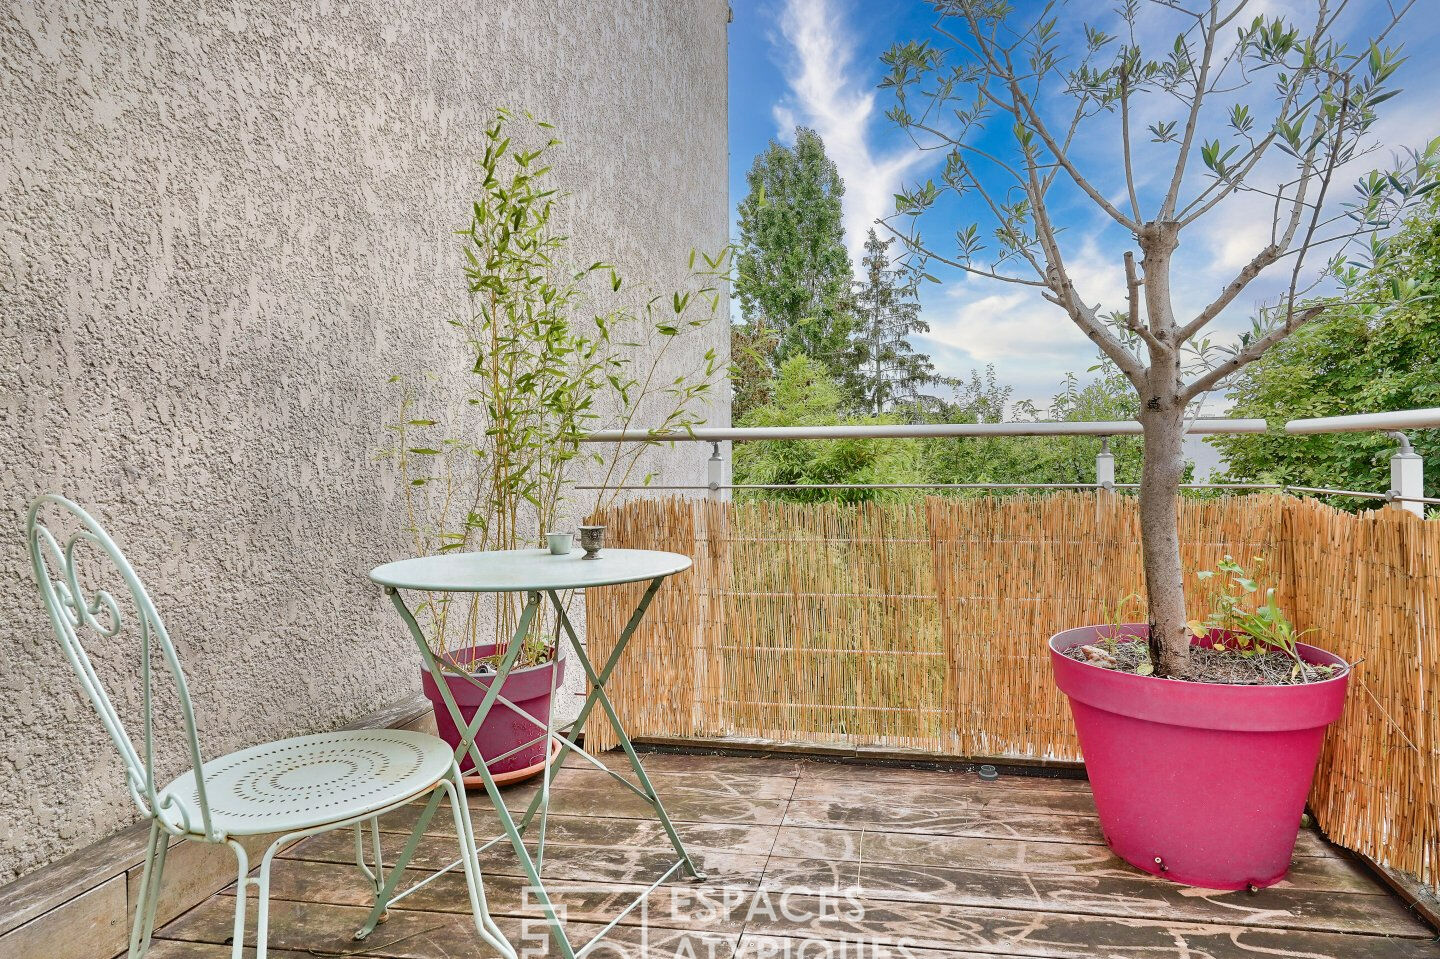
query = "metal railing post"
x=1407 y=476
x=715 y=473
x=1105 y=466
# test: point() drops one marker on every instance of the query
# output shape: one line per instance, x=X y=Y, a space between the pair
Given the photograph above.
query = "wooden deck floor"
x=945 y=866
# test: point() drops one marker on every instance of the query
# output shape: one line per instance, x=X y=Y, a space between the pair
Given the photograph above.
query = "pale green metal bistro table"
x=540 y=575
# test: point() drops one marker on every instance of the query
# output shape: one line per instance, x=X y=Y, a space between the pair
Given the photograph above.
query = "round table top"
x=517 y=570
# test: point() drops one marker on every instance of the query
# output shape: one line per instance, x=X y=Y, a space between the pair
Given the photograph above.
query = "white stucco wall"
x=223 y=225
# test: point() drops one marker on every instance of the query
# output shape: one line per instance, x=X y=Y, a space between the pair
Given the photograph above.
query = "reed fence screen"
x=922 y=625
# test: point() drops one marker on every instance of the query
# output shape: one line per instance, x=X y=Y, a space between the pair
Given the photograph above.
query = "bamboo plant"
x=550 y=351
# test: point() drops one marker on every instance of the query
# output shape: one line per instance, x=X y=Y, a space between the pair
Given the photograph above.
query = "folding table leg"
x=467 y=741
x=578 y=727
x=540 y=802
x=597 y=683
x=507 y=822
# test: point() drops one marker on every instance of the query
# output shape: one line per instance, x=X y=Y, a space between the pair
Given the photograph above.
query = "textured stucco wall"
x=222 y=224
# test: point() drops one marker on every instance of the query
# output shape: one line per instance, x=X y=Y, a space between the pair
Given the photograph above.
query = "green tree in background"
x=888 y=372
x=1033 y=459
x=793 y=275
x=752 y=368
x=806 y=394
x=1379 y=351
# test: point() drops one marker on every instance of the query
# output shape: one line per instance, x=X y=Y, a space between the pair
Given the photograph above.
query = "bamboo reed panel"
x=1013 y=571
x=1370 y=587
x=852 y=606
x=922 y=624
x=654 y=683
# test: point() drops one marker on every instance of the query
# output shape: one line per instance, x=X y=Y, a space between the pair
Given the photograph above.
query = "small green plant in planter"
x=550 y=351
x=486 y=452
x=1247 y=644
x=1108 y=650
x=1257 y=633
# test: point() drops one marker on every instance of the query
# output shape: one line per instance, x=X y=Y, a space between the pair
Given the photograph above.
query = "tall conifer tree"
x=793 y=274
x=888 y=373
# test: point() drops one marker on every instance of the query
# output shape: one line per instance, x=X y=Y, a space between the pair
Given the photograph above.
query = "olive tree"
x=1230 y=107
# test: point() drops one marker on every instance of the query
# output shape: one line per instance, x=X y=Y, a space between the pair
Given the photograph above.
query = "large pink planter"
x=1200 y=783
x=502 y=730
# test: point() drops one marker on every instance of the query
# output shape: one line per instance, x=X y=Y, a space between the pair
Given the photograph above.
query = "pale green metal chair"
x=294 y=787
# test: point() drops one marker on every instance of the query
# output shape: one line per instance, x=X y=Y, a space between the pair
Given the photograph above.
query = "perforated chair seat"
x=310 y=781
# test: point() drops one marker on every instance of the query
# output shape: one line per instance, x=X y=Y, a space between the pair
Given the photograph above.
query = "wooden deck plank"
x=92 y=926
x=415 y=934
x=577 y=863
x=956 y=793
x=597 y=831
x=859 y=813
x=843 y=772
x=679 y=905
x=1333 y=874
x=667 y=782
x=978 y=822
x=668 y=762
x=1029 y=932
x=603 y=797
x=181 y=949
x=939 y=786
x=754 y=946
x=1132 y=896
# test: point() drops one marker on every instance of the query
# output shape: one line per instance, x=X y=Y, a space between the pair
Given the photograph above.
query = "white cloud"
x=830 y=95
x=1005 y=326
x=1031 y=342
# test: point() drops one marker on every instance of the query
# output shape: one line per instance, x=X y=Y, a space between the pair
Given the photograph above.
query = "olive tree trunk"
x=1160 y=540
x=1162 y=417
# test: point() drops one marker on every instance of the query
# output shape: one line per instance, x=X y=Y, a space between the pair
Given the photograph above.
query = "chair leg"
x=242 y=881
x=148 y=897
x=474 y=881
x=376 y=876
x=360 y=859
x=379 y=853
x=262 y=899
x=397 y=869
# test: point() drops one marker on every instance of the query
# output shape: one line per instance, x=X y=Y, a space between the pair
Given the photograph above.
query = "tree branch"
x=1332 y=161
x=1065 y=295
x=1262 y=260
x=1132 y=315
x=1269 y=255
x=1192 y=122
x=1020 y=102
x=1199 y=206
x=928 y=254
x=1125 y=146
x=1249 y=354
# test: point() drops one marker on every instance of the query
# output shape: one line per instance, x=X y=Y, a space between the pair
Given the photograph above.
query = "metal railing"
x=1101 y=428
x=1407 y=468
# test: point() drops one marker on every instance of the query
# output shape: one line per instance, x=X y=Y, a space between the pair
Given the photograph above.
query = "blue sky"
x=816 y=62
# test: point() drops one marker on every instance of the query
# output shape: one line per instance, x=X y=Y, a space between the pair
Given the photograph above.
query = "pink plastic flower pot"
x=503 y=730
x=1197 y=782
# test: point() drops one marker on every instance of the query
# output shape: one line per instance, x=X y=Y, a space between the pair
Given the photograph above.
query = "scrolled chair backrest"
x=74 y=612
